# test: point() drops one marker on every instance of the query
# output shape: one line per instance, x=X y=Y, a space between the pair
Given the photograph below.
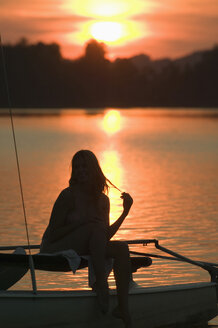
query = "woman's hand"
x=127 y=202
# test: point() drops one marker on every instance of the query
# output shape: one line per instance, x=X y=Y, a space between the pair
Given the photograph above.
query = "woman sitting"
x=80 y=221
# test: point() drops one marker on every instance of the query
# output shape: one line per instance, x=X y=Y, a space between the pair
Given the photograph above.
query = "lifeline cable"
x=18 y=169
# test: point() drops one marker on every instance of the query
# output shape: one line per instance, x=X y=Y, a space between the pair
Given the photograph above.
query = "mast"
x=31 y=263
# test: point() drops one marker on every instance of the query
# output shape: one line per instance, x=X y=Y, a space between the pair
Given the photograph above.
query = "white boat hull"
x=150 y=307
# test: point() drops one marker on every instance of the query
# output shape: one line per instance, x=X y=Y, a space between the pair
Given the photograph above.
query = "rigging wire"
x=31 y=263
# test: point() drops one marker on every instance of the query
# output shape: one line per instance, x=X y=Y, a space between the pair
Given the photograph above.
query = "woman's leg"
x=122 y=272
x=97 y=250
x=88 y=239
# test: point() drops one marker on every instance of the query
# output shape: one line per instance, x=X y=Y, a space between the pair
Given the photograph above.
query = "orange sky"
x=158 y=28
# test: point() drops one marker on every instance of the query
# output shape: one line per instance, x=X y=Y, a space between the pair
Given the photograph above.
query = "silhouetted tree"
x=95 y=51
x=40 y=77
x=92 y=71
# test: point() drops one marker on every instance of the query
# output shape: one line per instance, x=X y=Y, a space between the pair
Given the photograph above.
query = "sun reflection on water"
x=112 y=168
x=112 y=122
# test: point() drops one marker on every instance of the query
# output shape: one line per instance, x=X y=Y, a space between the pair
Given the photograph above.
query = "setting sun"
x=111 y=22
x=110 y=32
x=107 y=31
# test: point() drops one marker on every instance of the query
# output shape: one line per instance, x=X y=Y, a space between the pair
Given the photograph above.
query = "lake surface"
x=166 y=159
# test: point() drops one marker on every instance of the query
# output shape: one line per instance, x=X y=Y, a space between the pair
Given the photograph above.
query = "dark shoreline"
x=179 y=112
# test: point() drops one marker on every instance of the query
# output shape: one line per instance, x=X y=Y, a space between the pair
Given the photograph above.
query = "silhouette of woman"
x=80 y=221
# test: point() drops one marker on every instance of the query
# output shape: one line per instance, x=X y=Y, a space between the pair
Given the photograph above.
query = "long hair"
x=99 y=183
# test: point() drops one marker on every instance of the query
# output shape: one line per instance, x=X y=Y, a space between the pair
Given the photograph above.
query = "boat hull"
x=150 y=307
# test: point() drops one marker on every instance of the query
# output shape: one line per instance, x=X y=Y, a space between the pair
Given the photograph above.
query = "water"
x=166 y=159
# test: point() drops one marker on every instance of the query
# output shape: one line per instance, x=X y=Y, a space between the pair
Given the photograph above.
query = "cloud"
x=13 y=27
x=36 y=20
x=193 y=7
x=26 y=7
x=180 y=26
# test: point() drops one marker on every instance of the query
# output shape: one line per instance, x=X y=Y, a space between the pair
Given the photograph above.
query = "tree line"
x=39 y=77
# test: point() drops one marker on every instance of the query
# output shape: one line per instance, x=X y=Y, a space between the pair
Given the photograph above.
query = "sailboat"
x=162 y=306
x=151 y=307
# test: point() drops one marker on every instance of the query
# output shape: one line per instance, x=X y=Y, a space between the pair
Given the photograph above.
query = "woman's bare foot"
x=103 y=297
x=127 y=320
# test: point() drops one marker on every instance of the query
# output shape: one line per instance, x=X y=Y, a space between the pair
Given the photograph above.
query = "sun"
x=107 y=31
x=113 y=22
x=113 y=33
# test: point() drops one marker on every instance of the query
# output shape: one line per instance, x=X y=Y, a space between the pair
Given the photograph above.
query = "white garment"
x=74 y=261
x=71 y=256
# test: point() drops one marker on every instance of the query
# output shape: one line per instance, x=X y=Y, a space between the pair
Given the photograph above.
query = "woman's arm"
x=127 y=203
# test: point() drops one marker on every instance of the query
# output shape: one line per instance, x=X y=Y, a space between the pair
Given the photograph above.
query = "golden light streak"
x=106 y=8
x=109 y=8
